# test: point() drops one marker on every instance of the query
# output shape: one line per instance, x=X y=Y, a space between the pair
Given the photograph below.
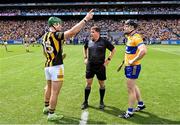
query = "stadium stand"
x=158 y=20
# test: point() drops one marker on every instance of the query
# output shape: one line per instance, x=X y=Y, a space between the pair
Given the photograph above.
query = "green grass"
x=22 y=82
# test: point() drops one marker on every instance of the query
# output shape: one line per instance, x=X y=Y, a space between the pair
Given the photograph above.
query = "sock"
x=46 y=104
x=130 y=110
x=87 y=92
x=51 y=111
x=102 y=93
x=140 y=103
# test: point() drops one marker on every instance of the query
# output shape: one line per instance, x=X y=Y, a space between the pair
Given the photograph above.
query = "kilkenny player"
x=26 y=43
x=5 y=43
x=54 y=68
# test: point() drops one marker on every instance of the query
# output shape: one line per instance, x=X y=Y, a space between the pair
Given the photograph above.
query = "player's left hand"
x=131 y=62
x=106 y=62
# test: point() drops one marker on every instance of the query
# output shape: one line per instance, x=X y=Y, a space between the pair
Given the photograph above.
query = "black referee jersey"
x=97 y=50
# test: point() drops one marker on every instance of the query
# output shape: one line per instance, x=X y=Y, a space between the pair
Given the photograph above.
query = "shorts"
x=55 y=73
x=96 y=69
x=26 y=44
x=132 y=72
x=5 y=43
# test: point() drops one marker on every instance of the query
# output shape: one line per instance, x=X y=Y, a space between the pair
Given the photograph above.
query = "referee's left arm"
x=112 y=49
x=111 y=54
x=85 y=49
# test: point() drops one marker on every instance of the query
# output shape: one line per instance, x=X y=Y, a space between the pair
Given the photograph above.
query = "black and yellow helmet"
x=54 y=20
x=131 y=23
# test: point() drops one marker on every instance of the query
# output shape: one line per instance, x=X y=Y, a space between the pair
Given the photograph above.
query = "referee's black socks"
x=102 y=93
x=86 y=93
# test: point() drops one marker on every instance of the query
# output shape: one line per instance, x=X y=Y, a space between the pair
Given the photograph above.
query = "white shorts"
x=5 y=43
x=26 y=44
x=54 y=73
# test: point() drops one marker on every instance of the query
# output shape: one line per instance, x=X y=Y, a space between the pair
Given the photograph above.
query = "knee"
x=88 y=85
x=130 y=88
x=55 y=92
x=102 y=86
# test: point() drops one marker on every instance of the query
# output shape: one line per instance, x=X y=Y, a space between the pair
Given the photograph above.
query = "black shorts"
x=96 y=69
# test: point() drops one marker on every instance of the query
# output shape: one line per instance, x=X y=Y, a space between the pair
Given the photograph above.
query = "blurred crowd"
x=143 y=10
x=16 y=30
x=152 y=29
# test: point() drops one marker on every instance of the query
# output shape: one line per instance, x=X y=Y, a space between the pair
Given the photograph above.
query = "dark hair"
x=131 y=23
x=96 y=28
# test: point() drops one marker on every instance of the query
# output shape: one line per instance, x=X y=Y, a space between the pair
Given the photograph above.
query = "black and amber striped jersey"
x=52 y=47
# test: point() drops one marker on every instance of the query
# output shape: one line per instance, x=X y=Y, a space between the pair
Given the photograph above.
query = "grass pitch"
x=22 y=81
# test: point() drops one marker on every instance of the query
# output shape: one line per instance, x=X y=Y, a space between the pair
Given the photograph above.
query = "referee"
x=94 y=58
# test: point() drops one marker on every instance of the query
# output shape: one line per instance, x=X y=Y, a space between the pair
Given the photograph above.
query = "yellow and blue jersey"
x=132 y=44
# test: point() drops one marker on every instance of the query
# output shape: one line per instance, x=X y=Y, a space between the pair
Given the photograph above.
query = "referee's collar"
x=97 y=40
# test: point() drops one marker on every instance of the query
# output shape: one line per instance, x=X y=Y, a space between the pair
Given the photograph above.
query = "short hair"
x=131 y=23
x=52 y=20
x=96 y=28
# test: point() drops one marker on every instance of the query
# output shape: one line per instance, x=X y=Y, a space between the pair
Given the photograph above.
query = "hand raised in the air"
x=89 y=15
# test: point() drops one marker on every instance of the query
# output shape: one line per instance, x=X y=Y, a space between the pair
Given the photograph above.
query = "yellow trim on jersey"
x=49 y=60
x=45 y=53
x=51 y=54
x=53 y=49
x=56 y=43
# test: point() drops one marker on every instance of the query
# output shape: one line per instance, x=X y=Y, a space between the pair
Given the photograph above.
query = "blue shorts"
x=132 y=72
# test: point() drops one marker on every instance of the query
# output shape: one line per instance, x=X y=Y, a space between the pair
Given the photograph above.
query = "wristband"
x=85 y=21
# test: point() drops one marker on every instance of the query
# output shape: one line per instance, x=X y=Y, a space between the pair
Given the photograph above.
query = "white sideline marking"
x=166 y=51
x=84 y=117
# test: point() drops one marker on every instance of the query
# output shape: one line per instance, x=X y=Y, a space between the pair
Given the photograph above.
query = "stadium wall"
x=171 y=42
x=165 y=42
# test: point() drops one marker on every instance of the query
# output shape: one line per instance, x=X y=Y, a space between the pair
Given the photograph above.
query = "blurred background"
x=159 y=20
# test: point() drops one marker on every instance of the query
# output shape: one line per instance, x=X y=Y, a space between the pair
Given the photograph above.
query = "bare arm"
x=75 y=29
x=85 y=53
x=140 y=55
x=109 y=57
x=112 y=53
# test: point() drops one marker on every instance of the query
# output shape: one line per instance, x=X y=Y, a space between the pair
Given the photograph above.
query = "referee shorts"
x=96 y=69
